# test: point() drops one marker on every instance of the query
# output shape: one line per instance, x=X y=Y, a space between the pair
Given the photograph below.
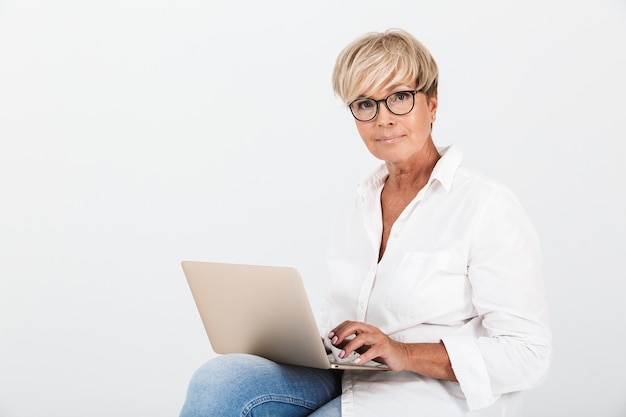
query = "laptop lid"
x=260 y=310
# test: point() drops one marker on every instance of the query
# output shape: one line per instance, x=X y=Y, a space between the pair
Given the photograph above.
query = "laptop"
x=260 y=310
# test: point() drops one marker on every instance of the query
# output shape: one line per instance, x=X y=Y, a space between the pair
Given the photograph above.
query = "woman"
x=435 y=270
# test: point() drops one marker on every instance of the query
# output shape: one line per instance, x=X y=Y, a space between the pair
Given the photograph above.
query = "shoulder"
x=479 y=186
x=457 y=179
x=498 y=215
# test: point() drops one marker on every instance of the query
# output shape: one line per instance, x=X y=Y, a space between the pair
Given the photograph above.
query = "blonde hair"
x=376 y=60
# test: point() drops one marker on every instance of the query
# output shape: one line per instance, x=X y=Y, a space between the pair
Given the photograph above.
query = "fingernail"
x=357 y=361
x=341 y=354
x=331 y=334
x=334 y=340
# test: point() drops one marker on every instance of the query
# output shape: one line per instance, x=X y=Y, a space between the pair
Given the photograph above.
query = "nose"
x=384 y=117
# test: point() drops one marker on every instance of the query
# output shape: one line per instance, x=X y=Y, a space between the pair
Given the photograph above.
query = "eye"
x=400 y=96
x=365 y=104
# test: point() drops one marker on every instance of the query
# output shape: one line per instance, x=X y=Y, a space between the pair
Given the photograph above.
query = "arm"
x=429 y=359
x=505 y=347
x=513 y=347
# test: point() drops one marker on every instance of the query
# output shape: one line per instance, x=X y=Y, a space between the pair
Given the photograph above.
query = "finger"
x=360 y=344
x=339 y=333
x=339 y=328
x=347 y=329
x=371 y=354
x=386 y=351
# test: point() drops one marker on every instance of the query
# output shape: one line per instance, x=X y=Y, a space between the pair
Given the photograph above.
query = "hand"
x=370 y=343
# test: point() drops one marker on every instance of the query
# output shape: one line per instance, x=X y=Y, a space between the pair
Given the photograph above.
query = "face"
x=399 y=140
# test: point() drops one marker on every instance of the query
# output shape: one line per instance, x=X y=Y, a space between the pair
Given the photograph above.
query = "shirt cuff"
x=470 y=370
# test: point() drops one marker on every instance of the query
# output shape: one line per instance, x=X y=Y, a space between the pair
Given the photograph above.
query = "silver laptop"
x=260 y=310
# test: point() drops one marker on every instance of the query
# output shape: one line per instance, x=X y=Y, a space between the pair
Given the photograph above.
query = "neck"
x=414 y=173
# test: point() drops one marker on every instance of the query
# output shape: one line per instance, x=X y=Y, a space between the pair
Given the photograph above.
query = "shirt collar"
x=446 y=167
x=443 y=172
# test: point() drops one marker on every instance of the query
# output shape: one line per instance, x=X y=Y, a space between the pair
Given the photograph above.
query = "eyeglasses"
x=399 y=103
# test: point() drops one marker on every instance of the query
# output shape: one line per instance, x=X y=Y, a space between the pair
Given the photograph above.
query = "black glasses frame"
x=412 y=92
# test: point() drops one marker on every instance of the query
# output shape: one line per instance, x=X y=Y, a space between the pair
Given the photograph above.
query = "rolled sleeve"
x=470 y=370
x=513 y=350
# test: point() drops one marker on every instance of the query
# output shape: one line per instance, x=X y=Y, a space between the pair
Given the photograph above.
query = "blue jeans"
x=249 y=386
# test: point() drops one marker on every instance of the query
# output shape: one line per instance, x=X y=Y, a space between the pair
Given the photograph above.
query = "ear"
x=433 y=102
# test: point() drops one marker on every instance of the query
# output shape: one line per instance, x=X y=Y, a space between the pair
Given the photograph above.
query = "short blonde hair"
x=376 y=60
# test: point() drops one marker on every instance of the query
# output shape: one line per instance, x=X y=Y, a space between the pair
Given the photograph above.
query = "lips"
x=388 y=139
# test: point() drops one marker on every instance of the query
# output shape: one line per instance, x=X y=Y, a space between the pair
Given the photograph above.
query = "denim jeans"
x=249 y=386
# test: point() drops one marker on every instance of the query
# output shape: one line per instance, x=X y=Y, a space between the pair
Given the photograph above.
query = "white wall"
x=136 y=133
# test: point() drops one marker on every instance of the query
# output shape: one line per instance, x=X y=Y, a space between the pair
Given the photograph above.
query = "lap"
x=247 y=385
x=330 y=409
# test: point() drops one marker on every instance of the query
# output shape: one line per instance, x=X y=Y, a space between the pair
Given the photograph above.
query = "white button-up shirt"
x=462 y=266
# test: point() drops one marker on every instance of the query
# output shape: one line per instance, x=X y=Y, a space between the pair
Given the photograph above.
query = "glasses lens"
x=400 y=102
x=363 y=109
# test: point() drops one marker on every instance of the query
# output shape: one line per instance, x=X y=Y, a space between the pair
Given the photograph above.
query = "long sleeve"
x=462 y=266
x=504 y=269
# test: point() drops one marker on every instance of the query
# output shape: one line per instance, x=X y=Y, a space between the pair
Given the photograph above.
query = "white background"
x=136 y=133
